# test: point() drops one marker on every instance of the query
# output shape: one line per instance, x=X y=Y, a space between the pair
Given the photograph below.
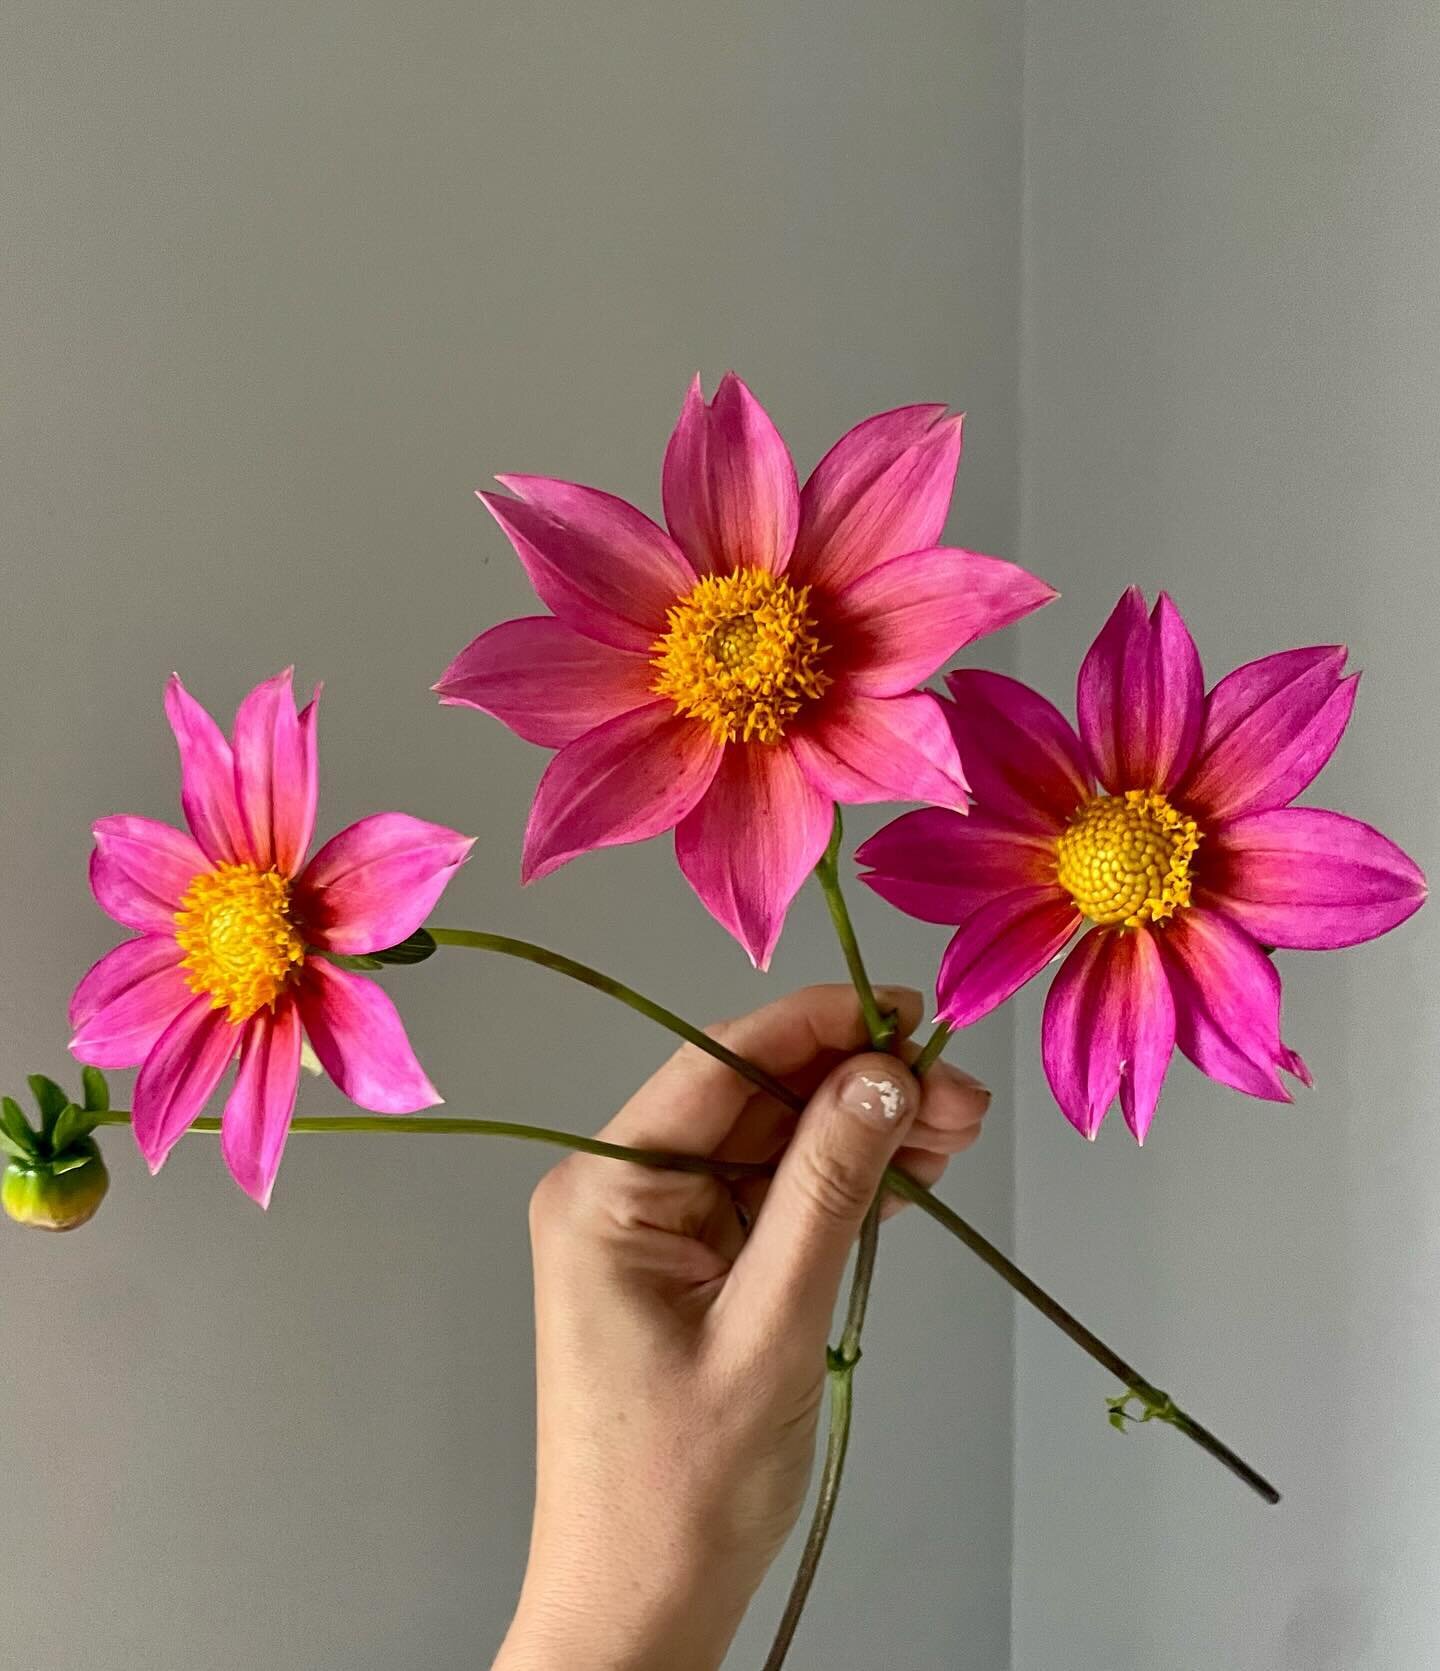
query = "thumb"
x=826 y=1180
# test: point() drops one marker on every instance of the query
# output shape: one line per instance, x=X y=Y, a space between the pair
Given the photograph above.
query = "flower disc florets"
x=1125 y=859
x=742 y=654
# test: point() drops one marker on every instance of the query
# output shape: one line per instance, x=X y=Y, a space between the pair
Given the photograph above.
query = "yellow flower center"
x=742 y=654
x=1126 y=858
x=241 y=946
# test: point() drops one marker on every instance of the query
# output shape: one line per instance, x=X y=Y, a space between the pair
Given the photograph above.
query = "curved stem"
x=450 y=1125
x=896 y=1181
x=477 y=940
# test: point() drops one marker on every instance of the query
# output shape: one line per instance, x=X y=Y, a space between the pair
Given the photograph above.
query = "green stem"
x=933 y=1048
x=879 y=1025
x=477 y=940
x=448 y=1125
x=1160 y=1403
x=896 y=1181
x=840 y=1360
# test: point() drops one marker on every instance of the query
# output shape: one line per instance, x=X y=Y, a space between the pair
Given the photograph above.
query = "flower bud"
x=61 y=1194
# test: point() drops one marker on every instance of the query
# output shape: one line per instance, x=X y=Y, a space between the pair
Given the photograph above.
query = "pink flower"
x=1188 y=860
x=228 y=925
x=734 y=678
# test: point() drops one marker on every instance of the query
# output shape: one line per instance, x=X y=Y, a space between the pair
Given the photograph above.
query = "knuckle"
x=553 y=1198
x=722 y=1032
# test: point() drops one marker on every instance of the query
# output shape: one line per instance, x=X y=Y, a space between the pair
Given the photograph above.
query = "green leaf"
x=97 y=1091
x=50 y=1099
x=17 y=1151
x=342 y=960
x=416 y=949
x=15 y=1126
x=73 y=1124
x=69 y=1163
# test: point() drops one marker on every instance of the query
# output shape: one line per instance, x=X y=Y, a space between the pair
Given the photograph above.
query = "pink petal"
x=870 y=748
x=126 y=1001
x=1269 y=728
x=179 y=1076
x=1141 y=696
x=634 y=777
x=1227 y=1004
x=939 y=867
x=545 y=681
x=883 y=489
x=1024 y=762
x=903 y=619
x=277 y=780
x=757 y=833
x=360 y=1040
x=373 y=885
x=257 y=1115
x=1109 y=1030
x=1000 y=947
x=1302 y=877
x=729 y=488
x=599 y=564
x=140 y=871
x=207 y=778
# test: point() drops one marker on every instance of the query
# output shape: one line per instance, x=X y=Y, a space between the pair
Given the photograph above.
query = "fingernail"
x=876 y=1099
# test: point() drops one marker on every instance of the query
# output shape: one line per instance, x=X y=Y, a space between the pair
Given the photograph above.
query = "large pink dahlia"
x=1186 y=857
x=736 y=677
x=229 y=924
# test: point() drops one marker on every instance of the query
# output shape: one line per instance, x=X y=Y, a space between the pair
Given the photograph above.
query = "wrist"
x=553 y=1631
x=622 y=1620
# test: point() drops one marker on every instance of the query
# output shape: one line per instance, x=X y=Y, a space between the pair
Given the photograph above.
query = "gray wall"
x=283 y=284
x=1231 y=354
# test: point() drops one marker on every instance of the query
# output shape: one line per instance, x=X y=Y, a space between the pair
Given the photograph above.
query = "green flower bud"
x=59 y=1194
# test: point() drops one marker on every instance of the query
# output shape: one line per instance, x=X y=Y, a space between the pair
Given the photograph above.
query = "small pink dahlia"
x=1186 y=856
x=736 y=677
x=229 y=925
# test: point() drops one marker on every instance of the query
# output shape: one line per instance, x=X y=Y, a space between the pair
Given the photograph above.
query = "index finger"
x=690 y=1104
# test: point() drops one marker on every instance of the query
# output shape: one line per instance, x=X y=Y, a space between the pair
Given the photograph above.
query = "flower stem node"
x=55 y=1177
x=1155 y=1406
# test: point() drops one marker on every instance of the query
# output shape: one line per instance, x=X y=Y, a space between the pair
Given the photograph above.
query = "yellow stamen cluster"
x=241 y=946
x=1126 y=858
x=742 y=654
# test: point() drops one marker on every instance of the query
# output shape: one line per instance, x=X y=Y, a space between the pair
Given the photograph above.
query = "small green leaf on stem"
x=50 y=1099
x=416 y=949
x=16 y=1128
x=73 y=1124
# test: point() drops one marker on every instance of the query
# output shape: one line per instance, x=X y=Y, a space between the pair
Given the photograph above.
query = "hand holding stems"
x=660 y=1320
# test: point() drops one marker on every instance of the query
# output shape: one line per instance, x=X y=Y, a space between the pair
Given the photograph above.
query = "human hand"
x=680 y=1358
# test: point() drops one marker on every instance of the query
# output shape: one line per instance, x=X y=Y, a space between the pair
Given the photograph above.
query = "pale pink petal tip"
x=748 y=847
x=728 y=483
x=603 y=567
x=634 y=777
x=547 y=682
x=881 y=491
x=1140 y=697
x=373 y=884
x=207 y=778
x=357 y=1033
